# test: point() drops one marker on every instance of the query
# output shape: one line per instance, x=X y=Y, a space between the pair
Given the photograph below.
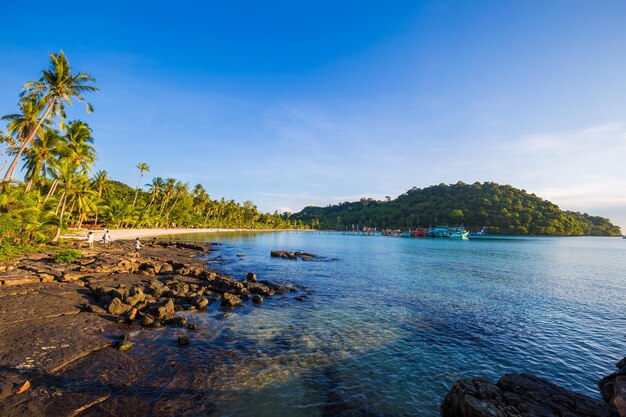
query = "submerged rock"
x=257 y=299
x=183 y=340
x=292 y=255
x=251 y=276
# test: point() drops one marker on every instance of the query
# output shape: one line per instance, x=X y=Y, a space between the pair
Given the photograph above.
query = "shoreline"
x=127 y=234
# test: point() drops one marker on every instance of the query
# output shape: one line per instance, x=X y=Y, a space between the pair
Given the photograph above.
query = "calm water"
x=391 y=323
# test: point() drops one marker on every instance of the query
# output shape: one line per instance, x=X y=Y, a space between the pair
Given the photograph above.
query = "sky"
x=290 y=104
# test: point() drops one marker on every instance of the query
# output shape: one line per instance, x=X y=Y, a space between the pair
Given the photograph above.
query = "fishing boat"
x=419 y=232
x=449 y=232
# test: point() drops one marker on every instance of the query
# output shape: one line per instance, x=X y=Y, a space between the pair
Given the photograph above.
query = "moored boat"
x=449 y=232
x=419 y=232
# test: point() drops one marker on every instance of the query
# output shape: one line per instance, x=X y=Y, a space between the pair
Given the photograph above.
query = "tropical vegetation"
x=60 y=189
x=502 y=209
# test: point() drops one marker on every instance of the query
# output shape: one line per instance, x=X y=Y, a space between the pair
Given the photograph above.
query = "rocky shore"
x=68 y=339
x=64 y=327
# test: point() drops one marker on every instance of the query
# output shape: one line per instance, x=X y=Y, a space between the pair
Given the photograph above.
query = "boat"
x=419 y=232
x=389 y=232
x=449 y=232
x=481 y=234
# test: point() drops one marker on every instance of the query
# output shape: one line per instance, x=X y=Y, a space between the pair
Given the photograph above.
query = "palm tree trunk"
x=29 y=185
x=137 y=189
x=52 y=189
x=31 y=135
x=58 y=232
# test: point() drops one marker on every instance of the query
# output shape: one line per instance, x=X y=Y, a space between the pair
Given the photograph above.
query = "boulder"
x=131 y=314
x=292 y=255
x=162 y=311
x=260 y=289
x=166 y=269
x=519 y=395
x=199 y=302
x=251 y=276
x=147 y=320
x=257 y=299
x=230 y=300
x=183 y=340
x=613 y=388
x=179 y=321
x=117 y=307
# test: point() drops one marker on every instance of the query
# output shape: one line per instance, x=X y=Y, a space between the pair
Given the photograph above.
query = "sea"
x=388 y=324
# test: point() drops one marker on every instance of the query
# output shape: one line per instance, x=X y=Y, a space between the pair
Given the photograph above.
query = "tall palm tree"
x=44 y=150
x=155 y=190
x=142 y=167
x=24 y=125
x=56 y=87
x=100 y=184
x=77 y=144
x=67 y=172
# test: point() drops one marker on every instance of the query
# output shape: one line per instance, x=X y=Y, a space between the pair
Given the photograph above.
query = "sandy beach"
x=123 y=234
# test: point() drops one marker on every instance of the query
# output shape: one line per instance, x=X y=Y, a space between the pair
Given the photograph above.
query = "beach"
x=125 y=234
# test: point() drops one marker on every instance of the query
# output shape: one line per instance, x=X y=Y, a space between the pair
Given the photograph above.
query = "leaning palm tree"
x=25 y=124
x=155 y=190
x=142 y=167
x=56 y=87
x=100 y=184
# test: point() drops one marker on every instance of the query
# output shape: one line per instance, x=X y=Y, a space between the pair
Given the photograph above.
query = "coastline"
x=126 y=234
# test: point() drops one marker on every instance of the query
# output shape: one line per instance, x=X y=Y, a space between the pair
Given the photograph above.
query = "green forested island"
x=502 y=209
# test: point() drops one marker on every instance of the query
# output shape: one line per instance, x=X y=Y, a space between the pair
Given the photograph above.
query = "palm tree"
x=67 y=171
x=56 y=87
x=142 y=167
x=77 y=144
x=44 y=150
x=11 y=144
x=100 y=184
x=24 y=125
x=155 y=190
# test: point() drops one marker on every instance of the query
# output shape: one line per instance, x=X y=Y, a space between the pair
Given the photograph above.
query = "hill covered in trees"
x=503 y=209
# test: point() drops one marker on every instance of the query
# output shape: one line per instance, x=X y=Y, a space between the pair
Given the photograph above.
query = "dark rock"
x=240 y=255
x=292 y=255
x=301 y=298
x=199 y=302
x=613 y=388
x=261 y=289
x=131 y=315
x=162 y=310
x=147 y=320
x=192 y=326
x=519 y=395
x=179 y=321
x=230 y=300
x=183 y=340
x=257 y=299
x=117 y=307
x=166 y=269
x=251 y=276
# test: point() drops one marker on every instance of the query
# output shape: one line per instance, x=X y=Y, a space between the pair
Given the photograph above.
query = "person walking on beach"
x=138 y=246
x=90 y=239
x=106 y=238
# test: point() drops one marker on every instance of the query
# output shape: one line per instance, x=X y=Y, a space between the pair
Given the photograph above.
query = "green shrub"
x=67 y=256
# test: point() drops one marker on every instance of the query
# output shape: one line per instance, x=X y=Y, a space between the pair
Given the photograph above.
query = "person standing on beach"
x=106 y=238
x=90 y=239
x=138 y=246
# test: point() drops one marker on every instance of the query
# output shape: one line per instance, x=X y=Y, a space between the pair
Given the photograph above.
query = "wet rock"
x=257 y=299
x=519 y=395
x=230 y=300
x=613 y=388
x=117 y=307
x=251 y=276
x=260 y=289
x=199 y=302
x=240 y=255
x=183 y=340
x=131 y=315
x=179 y=321
x=179 y=287
x=192 y=326
x=292 y=255
x=301 y=298
x=124 y=346
x=147 y=320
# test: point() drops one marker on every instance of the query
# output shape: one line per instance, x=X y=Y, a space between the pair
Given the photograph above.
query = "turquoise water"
x=391 y=323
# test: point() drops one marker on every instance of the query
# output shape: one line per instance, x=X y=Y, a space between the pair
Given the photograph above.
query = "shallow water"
x=391 y=323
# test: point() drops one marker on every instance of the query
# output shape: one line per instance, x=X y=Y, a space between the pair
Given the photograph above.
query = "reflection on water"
x=393 y=322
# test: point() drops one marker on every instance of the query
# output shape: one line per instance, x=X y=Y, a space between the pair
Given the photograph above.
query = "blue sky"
x=290 y=104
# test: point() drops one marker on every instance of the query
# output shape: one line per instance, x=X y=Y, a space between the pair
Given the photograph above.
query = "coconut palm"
x=100 y=184
x=77 y=144
x=45 y=149
x=142 y=167
x=56 y=87
x=67 y=171
x=23 y=125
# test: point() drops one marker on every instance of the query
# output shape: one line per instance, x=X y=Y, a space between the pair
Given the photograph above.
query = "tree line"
x=60 y=188
x=502 y=209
